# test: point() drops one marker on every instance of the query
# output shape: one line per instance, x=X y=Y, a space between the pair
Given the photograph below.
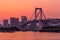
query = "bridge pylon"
x=38 y=14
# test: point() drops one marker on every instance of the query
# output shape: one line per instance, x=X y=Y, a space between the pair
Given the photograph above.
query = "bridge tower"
x=38 y=14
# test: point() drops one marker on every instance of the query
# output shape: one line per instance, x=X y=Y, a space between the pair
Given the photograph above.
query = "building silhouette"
x=14 y=22
x=23 y=19
x=5 y=22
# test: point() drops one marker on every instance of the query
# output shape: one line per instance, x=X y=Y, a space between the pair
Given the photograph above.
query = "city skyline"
x=23 y=20
x=7 y=21
x=17 y=8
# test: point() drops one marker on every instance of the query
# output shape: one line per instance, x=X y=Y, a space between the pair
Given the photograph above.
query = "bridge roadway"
x=45 y=21
x=33 y=21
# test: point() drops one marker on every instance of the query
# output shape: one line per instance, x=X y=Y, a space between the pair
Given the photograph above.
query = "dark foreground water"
x=29 y=36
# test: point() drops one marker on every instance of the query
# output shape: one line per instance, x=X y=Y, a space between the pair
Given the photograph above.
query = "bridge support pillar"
x=40 y=18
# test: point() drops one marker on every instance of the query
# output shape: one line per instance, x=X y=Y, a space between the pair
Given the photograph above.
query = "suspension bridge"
x=38 y=22
x=38 y=19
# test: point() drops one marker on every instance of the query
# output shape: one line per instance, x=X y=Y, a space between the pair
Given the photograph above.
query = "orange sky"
x=17 y=8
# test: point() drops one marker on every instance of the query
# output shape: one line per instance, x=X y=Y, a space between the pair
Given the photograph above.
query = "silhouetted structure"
x=23 y=19
x=37 y=24
x=5 y=22
x=14 y=22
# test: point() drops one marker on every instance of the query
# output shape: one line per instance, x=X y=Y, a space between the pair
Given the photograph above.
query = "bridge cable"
x=32 y=16
x=44 y=15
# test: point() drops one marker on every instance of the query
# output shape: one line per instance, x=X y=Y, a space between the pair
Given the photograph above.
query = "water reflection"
x=30 y=36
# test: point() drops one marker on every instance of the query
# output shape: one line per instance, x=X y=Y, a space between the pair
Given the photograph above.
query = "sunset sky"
x=17 y=8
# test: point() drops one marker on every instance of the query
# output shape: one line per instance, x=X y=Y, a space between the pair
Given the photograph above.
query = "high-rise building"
x=23 y=19
x=14 y=22
x=5 y=22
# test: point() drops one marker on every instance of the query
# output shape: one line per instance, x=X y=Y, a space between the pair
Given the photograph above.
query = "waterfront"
x=29 y=36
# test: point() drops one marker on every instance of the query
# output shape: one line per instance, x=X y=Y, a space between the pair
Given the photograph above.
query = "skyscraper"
x=23 y=19
x=14 y=22
x=5 y=22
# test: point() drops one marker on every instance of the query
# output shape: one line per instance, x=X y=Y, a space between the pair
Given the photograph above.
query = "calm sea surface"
x=29 y=36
